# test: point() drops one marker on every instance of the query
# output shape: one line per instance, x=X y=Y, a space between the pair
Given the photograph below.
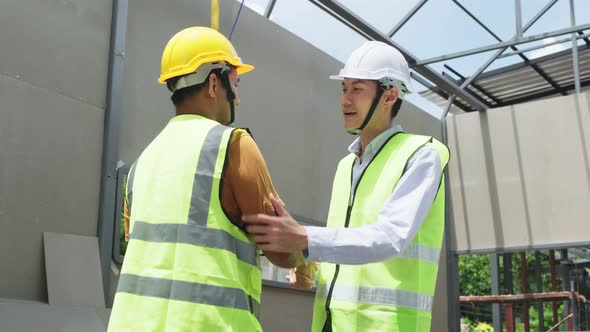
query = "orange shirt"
x=246 y=183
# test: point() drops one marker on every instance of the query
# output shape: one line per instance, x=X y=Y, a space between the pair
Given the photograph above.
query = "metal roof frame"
x=466 y=89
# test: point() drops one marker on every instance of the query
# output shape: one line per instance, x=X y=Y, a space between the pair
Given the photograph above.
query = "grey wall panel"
x=522 y=175
x=50 y=150
x=32 y=316
x=286 y=310
x=62 y=46
x=72 y=266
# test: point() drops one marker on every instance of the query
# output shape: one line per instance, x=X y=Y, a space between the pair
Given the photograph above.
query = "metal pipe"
x=565 y=282
x=406 y=18
x=576 y=63
x=553 y=284
x=453 y=289
x=476 y=86
x=269 y=8
x=518 y=17
x=478 y=21
x=539 y=282
x=524 y=289
x=110 y=151
x=517 y=298
x=509 y=288
x=524 y=50
x=574 y=323
x=495 y=275
x=447 y=108
x=504 y=45
x=524 y=58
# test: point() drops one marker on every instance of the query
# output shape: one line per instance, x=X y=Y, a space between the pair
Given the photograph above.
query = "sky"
x=439 y=28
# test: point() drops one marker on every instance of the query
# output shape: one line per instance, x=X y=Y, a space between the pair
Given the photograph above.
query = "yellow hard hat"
x=192 y=47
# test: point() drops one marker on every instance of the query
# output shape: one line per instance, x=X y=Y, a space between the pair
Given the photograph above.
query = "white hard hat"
x=378 y=61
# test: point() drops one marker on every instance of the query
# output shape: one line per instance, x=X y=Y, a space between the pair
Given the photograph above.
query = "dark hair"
x=180 y=95
x=396 y=107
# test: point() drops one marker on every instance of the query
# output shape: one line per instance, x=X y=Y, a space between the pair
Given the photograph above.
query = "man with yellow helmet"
x=189 y=266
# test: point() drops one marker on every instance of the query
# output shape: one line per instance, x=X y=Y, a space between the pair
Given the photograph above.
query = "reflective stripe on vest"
x=199 y=208
x=188 y=291
x=376 y=295
x=198 y=236
x=421 y=252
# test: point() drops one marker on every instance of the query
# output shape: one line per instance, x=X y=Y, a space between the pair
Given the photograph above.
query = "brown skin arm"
x=246 y=190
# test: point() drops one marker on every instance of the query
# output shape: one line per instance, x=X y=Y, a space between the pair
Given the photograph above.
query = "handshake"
x=302 y=276
x=281 y=235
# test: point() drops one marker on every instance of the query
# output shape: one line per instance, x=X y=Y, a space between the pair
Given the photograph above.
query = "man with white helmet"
x=379 y=252
x=189 y=266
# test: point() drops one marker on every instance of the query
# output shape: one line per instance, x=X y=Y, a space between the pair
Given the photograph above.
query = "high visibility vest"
x=187 y=267
x=394 y=295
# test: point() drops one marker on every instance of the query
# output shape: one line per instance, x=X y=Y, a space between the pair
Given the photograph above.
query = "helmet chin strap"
x=224 y=76
x=358 y=130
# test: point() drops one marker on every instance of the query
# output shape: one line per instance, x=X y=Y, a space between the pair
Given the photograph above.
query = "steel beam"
x=504 y=45
x=452 y=259
x=443 y=94
x=112 y=125
x=493 y=57
x=475 y=85
x=495 y=274
x=524 y=290
x=526 y=60
x=575 y=49
x=553 y=284
x=586 y=40
x=524 y=50
x=406 y=18
x=539 y=289
x=521 y=65
x=509 y=288
x=269 y=8
x=485 y=102
x=518 y=17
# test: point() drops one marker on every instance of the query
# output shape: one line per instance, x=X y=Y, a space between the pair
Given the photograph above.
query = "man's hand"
x=280 y=233
x=302 y=276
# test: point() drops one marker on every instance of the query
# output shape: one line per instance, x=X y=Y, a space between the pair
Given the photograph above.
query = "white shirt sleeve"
x=399 y=219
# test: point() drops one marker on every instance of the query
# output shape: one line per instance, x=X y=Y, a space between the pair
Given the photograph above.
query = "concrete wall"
x=53 y=76
x=521 y=175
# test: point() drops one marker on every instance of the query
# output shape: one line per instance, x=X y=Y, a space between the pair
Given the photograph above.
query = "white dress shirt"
x=399 y=219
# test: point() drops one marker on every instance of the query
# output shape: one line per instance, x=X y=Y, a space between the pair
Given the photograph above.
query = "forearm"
x=285 y=260
x=341 y=245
